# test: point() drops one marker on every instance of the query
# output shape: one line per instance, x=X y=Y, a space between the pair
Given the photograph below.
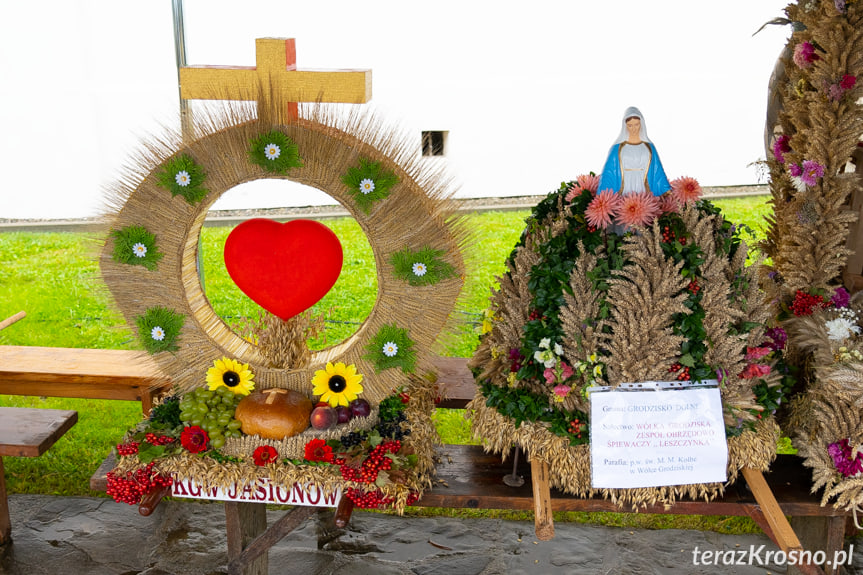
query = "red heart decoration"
x=285 y=268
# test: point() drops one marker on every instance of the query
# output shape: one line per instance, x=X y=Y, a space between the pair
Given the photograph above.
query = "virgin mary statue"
x=633 y=163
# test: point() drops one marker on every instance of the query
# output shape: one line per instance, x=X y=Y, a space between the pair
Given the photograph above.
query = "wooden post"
x=543 y=519
x=10 y=320
x=244 y=522
x=780 y=530
x=825 y=534
x=5 y=522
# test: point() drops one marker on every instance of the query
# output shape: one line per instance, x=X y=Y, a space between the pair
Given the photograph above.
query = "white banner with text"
x=657 y=437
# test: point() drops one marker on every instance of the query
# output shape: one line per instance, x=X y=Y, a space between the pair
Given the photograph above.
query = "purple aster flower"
x=780 y=148
x=840 y=5
x=795 y=170
x=811 y=172
x=841 y=298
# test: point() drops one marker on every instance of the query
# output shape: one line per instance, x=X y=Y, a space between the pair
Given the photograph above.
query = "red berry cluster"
x=125 y=449
x=405 y=397
x=668 y=235
x=684 y=371
x=534 y=314
x=133 y=486
x=591 y=229
x=158 y=439
x=375 y=499
x=694 y=287
x=805 y=304
x=575 y=427
x=375 y=462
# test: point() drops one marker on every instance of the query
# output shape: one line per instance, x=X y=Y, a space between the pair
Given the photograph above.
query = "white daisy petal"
x=272 y=151
x=182 y=178
x=367 y=186
x=139 y=249
x=419 y=269
x=157 y=333
x=390 y=349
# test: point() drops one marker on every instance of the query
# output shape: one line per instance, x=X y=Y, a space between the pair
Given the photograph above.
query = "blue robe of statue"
x=655 y=180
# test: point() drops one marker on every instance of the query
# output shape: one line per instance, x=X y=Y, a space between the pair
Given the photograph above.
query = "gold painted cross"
x=275 y=75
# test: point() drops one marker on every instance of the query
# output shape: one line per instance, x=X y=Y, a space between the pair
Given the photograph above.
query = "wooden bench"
x=27 y=432
x=84 y=373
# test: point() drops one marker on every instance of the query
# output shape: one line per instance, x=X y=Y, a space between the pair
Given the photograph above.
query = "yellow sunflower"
x=338 y=384
x=232 y=374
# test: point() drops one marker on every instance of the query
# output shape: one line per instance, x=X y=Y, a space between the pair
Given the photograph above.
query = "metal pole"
x=185 y=117
x=180 y=52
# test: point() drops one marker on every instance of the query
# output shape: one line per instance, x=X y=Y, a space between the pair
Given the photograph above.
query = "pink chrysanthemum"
x=668 y=204
x=637 y=209
x=756 y=353
x=804 y=54
x=811 y=172
x=574 y=191
x=686 y=190
x=589 y=182
x=795 y=170
x=601 y=210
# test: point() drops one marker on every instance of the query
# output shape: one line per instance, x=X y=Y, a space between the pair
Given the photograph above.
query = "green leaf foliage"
x=287 y=156
x=383 y=181
x=433 y=267
x=171 y=323
x=127 y=238
x=190 y=183
x=405 y=357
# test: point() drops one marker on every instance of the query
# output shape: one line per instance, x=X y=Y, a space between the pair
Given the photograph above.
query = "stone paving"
x=94 y=536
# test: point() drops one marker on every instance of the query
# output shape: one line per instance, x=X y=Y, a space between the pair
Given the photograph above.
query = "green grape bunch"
x=212 y=411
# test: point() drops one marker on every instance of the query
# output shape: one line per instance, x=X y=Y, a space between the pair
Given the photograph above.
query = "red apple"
x=344 y=413
x=323 y=417
x=361 y=408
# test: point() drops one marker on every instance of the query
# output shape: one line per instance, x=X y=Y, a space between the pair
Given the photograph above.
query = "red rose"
x=318 y=450
x=265 y=454
x=194 y=439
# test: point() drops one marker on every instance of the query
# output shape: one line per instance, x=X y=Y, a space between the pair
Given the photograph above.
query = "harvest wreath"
x=261 y=406
x=581 y=306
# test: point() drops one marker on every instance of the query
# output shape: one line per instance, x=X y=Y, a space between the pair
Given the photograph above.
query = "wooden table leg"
x=825 y=534
x=244 y=522
x=543 y=519
x=5 y=523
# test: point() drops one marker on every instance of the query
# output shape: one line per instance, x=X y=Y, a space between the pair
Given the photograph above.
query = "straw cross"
x=275 y=76
x=272 y=393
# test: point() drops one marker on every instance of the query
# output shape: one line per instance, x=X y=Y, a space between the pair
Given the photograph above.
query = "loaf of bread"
x=274 y=413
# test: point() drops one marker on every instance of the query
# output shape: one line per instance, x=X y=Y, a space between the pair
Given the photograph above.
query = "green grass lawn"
x=54 y=278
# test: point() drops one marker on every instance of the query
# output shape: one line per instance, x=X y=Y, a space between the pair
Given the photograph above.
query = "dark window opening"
x=433 y=143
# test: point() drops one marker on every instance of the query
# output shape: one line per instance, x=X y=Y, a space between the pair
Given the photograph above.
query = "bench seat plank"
x=28 y=432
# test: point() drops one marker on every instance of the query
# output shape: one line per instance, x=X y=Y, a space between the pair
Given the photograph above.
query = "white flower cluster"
x=547 y=354
x=842 y=327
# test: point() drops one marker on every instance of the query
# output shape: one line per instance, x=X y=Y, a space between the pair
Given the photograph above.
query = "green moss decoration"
x=134 y=245
x=183 y=177
x=275 y=152
x=421 y=268
x=369 y=183
x=159 y=329
x=391 y=347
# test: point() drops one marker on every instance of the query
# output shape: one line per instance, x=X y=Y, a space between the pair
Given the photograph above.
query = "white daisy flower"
x=419 y=269
x=183 y=178
x=157 y=333
x=272 y=151
x=390 y=349
x=139 y=249
x=840 y=329
x=367 y=186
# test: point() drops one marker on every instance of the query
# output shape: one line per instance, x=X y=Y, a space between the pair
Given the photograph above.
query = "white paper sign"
x=657 y=438
x=262 y=491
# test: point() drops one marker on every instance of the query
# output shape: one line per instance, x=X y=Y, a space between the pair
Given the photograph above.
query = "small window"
x=433 y=143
